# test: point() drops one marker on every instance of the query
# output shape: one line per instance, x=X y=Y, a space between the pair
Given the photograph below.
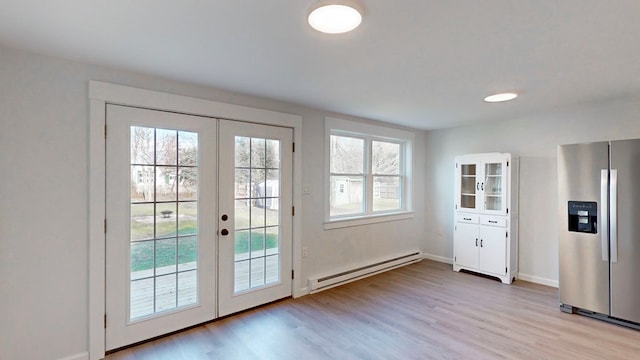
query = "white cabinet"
x=481 y=183
x=485 y=232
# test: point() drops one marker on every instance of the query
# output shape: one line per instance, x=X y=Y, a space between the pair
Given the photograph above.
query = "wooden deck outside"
x=174 y=290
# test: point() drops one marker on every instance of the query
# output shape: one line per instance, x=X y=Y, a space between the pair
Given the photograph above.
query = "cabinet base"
x=505 y=279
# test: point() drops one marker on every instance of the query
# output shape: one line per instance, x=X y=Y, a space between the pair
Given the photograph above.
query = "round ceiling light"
x=500 y=97
x=335 y=17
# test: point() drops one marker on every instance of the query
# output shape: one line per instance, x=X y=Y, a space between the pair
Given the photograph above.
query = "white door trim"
x=100 y=94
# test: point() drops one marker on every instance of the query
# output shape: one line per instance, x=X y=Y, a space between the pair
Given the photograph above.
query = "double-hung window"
x=368 y=173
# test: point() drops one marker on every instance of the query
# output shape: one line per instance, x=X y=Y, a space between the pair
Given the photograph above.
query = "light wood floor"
x=421 y=311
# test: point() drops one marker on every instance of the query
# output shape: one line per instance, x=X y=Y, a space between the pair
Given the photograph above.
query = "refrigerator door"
x=584 y=266
x=625 y=229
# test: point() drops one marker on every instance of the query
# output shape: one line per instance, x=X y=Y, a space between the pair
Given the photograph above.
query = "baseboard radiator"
x=327 y=282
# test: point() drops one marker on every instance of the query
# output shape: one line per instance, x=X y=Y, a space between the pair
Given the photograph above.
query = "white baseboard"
x=301 y=292
x=538 y=280
x=320 y=283
x=81 y=356
x=521 y=276
x=437 y=258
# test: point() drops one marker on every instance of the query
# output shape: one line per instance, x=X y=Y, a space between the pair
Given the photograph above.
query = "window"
x=368 y=172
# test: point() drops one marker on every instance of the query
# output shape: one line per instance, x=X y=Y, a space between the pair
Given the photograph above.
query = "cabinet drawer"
x=493 y=221
x=467 y=218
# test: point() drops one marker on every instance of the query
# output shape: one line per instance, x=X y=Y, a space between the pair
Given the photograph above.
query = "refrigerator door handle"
x=613 y=211
x=604 y=221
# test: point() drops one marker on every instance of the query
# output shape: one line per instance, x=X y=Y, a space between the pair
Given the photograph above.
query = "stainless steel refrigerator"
x=599 y=198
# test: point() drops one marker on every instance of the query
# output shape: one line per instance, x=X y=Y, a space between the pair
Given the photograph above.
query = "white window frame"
x=369 y=132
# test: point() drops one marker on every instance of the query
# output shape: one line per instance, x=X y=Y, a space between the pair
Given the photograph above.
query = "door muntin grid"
x=163 y=249
x=256 y=213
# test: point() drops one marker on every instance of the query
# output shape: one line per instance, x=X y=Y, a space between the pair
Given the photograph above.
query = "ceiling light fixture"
x=500 y=97
x=335 y=16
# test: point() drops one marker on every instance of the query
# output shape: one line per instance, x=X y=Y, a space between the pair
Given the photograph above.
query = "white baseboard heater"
x=327 y=282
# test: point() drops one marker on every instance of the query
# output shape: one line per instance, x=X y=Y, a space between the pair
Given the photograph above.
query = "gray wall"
x=44 y=159
x=534 y=140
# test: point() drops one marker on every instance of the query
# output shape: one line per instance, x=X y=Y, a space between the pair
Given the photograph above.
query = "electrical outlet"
x=306 y=189
x=305 y=251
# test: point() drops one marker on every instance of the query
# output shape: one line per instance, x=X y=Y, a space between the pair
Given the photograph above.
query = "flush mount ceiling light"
x=335 y=16
x=501 y=97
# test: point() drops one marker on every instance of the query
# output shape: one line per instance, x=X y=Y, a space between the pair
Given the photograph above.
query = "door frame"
x=100 y=94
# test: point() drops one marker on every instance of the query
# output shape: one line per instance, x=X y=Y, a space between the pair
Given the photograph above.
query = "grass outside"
x=177 y=237
x=167 y=252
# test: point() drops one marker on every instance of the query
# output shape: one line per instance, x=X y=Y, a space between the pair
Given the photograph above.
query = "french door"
x=168 y=261
x=255 y=202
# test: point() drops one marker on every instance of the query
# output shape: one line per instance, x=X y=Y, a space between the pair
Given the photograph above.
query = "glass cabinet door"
x=468 y=188
x=493 y=186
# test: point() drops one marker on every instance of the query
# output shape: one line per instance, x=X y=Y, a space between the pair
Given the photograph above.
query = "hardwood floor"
x=421 y=311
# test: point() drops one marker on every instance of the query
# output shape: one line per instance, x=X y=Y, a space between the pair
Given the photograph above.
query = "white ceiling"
x=420 y=63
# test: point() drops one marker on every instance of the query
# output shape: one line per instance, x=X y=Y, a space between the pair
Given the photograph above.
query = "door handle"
x=613 y=211
x=224 y=217
x=480 y=242
x=476 y=242
x=477 y=186
x=482 y=186
x=224 y=232
x=604 y=221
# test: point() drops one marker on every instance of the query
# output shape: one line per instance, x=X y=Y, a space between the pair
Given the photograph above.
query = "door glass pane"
x=187 y=148
x=257 y=199
x=163 y=249
x=142 y=221
x=142 y=145
x=166 y=147
x=257 y=243
x=243 y=149
x=142 y=183
x=272 y=239
x=258 y=153
x=187 y=218
x=188 y=179
x=187 y=253
x=166 y=254
x=493 y=186
x=468 y=186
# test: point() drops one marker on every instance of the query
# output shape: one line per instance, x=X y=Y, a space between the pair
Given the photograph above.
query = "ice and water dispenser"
x=583 y=216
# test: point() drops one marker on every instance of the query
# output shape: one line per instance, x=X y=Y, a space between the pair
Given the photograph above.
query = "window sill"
x=365 y=220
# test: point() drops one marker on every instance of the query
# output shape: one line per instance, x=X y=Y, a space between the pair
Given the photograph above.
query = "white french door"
x=255 y=214
x=169 y=264
x=160 y=240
